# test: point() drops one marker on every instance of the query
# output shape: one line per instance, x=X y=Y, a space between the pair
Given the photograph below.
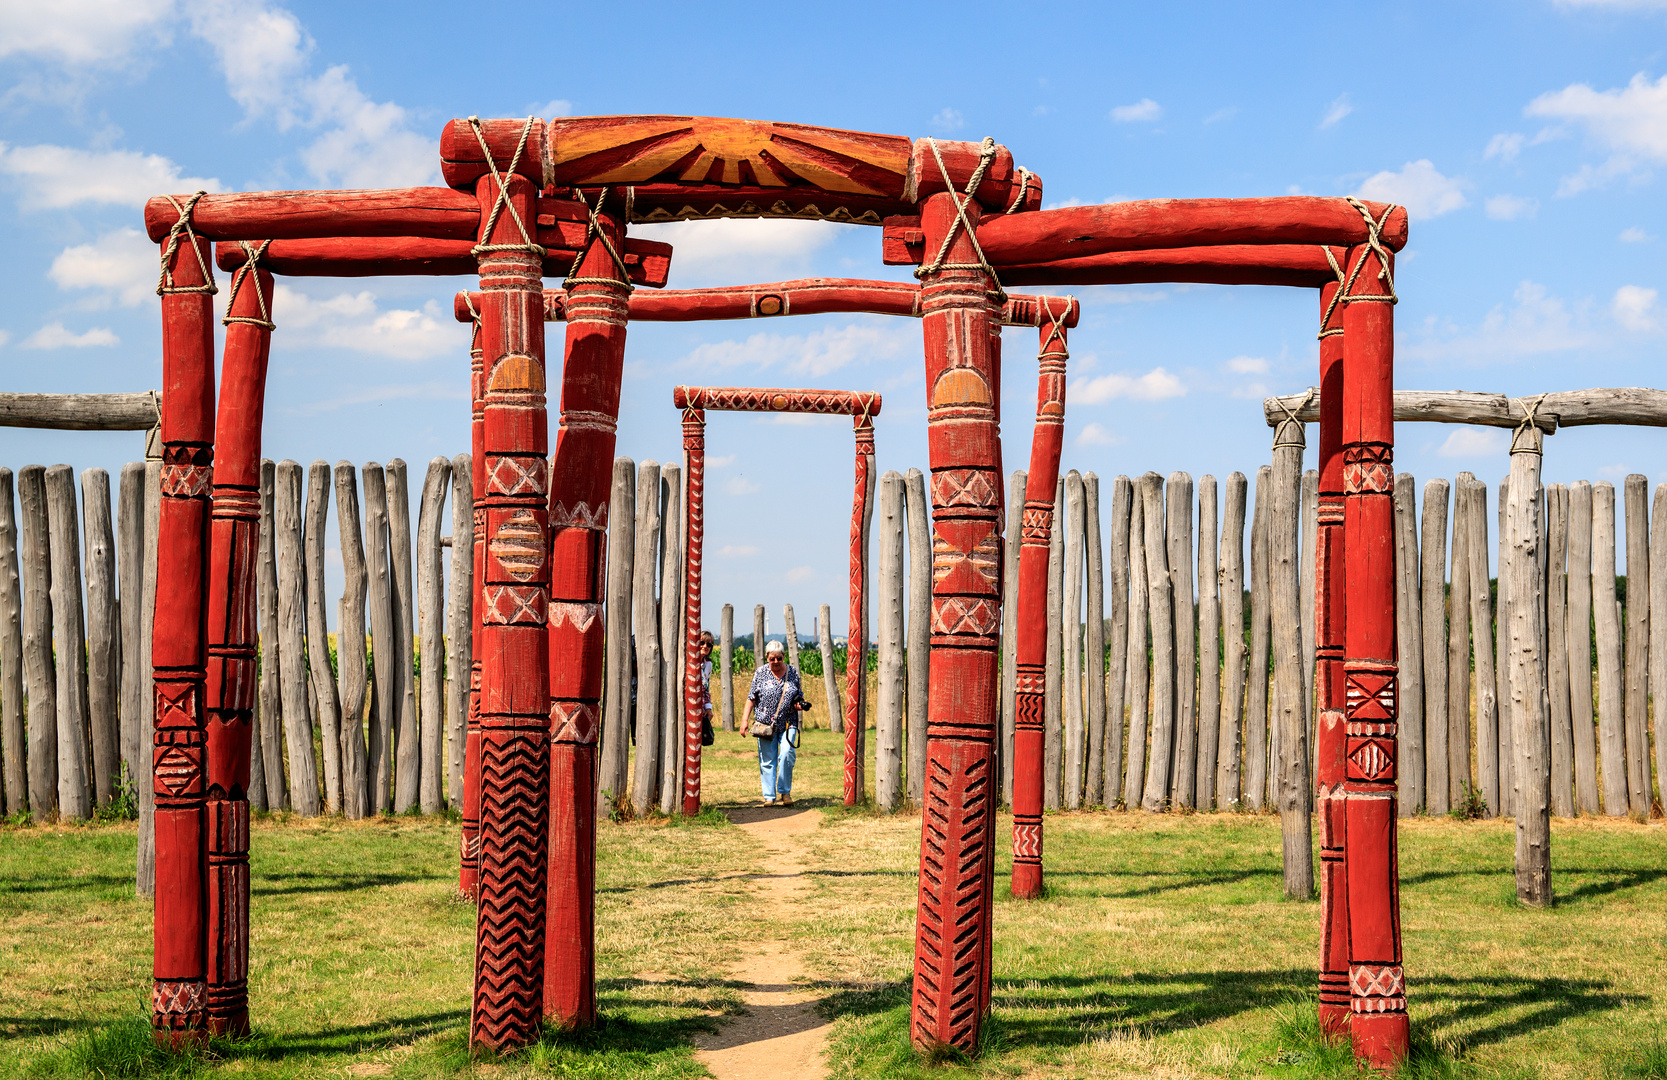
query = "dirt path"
x=782 y=1035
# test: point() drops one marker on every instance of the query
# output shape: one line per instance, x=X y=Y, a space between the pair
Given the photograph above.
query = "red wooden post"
x=179 y=643
x=1036 y=531
x=694 y=533
x=856 y=637
x=1328 y=652
x=958 y=822
x=598 y=291
x=235 y=535
x=1377 y=985
x=515 y=677
x=468 y=870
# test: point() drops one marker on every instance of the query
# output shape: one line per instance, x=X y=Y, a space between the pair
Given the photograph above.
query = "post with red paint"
x=468 y=871
x=694 y=534
x=856 y=638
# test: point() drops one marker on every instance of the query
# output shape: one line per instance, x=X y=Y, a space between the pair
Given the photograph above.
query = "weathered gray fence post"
x=13 y=737
x=918 y=647
x=431 y=618
x=1502 y=670
x=1053 y=680
x=1409 y=645
x=1229 y=788
x=298 y=728
x=1531 y=734
x=1160 y=758
x=130 y=569
x=407 y=729
x=616 y=697
x=1009 y=627
x=1607 y=621
x=1073 y=748
x=758 y=636
x=1658 y=638
x=1305 y=594
x=724 y=669
x=830 y=681
x=1458 y=646
x=144 y=879
x=39 y=680
x=1184 y=770
x=1433 y=567
x=318 y=634
x=384 y=640
x=1481 y=641
x=1138 y=659
x=1209 y=643
x=1557 y=654
x=1261 y=628
x=69 y=646
x=353 y=681
x=671 y=639
x=790 y=630
x=645 y=776
x=1636 y=494
x=888 y=601
x=1579 y=629
x=1284 y=512
x=460 y=625
x=104 y=658
x=269 y=714
x=1117 y=695
x=1094 y=644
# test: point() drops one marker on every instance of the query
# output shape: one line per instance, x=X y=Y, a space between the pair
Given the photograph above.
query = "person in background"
x=703 y=649
x=775 y=699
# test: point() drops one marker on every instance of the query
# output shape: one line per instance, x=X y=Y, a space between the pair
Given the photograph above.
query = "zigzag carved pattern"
x=509 y=930
x=949 y=951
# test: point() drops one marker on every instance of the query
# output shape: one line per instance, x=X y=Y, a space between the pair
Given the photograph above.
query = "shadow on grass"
x=298 y=882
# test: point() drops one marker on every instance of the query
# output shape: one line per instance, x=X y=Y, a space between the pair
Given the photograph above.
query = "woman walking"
x=772 y=717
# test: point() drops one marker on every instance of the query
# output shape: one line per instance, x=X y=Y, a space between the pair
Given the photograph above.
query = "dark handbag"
x=707 y=738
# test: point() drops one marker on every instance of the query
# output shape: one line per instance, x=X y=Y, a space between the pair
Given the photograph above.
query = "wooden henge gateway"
x=526 y=198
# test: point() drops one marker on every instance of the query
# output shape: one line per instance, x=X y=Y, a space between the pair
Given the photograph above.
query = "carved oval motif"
x=519 y=545
x=960 y=386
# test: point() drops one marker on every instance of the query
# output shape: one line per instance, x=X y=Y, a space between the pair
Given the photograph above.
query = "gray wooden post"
x=1481 y=642
x=144 y=879
x=1010 y=627
x=1557 y=654
x=1209 y=643
x=13 y=732
x=830 y=681
x=1658 y=638
x=1094 y=644
x=1229 y=773
x=1458 y=646
x=460 y=625
x=671 y=638
x=918 y=646
x=1184 y=771
x=790 y=630
x=407 y=729
x=298 y=728
x=1501 y=669
x=352 y=675
x=1305 y=593
x=1160 y=758
x=130 y=567
x=39 y=680
x=724 y=672
x=1053 y=680
x=323 y=680
x=1606 y=617
x=1256 y=688
x=616 y=696
x=1137 y=661
x=1531 y=734
x=888 y=601
x=1074 y=748
x=645 y=776
x=431 y=618
x=1433 y=568
x=1291 y=779
x=1117 y=662
x=1409 y=645
x=1636 y=494
x=69 y=646
x=1579 y=631
x=758 y=636
x=384 y=641
x=269 y=711
x=104 y=658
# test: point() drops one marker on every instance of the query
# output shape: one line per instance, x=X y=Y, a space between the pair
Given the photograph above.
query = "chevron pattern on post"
x=949 y=953
x=509 y=931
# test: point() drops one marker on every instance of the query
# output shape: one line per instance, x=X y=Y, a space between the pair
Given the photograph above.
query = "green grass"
x=1162 y=948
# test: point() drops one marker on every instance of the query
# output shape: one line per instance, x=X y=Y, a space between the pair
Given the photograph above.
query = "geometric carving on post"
x=1035 y=534
x=958 y=819
x=598 y=293
x=468 y=873
x=515 y=677
x=862 y=407
x=1379 y=1028
x=179 y=995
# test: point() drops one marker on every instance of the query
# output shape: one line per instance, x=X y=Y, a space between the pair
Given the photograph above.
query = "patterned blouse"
x=766 y=695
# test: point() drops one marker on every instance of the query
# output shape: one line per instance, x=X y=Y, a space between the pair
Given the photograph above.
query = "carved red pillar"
x=468 y=871
x=1330 y=733
x=694 y=534
x=514 y=651
x=598 y=295
x=1032 y=644
x=179 y=642
x=235 y=536
x=951 y=918
x=1377 y=985
x=856 y=638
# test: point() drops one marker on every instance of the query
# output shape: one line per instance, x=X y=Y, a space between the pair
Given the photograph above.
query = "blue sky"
x=1526 y=139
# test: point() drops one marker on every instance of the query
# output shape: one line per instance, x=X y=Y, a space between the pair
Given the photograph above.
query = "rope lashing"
x=594 y=232
x=1056 y=332
x=1024 y=189
x=182 y=226
x=986 y=154
x=1374 y=242
x=1290 y=431
x=1342 y=283
x=1523 y=440
x=503 y=199
x=251 y=257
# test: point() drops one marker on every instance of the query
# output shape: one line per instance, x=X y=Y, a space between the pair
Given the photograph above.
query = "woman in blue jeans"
x=775 y=697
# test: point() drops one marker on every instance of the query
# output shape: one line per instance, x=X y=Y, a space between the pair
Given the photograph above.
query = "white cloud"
x=1535 y=323
x=1634 y=307
x=1630 y=121
x=1336 y=111
x=551 y=109
x=1253 y=391
x=720 y=462
x=1467 y=442
x=728 y=250
x=1094 y=434
x=1511 y=207
x=740 y=485
x=1504 y=146
x=801 y=574
x=54 y=336
x=739 y=551
x=53 y=177
x=816 y=353
x=1222 y=114
x=947 y=119
x=434 y=390
x=1248 y=365
x=1634 y=235
x=356 y=321
x=1144 y=111
x=1155 y=385
x=81 y=32
x=122 y=263
x=1419 y=187
x=5 y=336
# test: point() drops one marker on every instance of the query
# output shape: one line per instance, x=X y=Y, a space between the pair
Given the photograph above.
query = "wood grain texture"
x=1606 y=618
x=353 y=683
x=1306 y=596
x=13 y=725
x=1525 y=637
x=104 y=658
x=1409 y=648
x=1094 y=644
x=1160 y=759
x=431 y=618
x=1482 y=648
x=69 y=647
x=1658 y=641
x=1433 y=406
x=1138 y=655
x=1557 y=654
x=830 y=680
x=645 y=773
x=1579 y=644
x=81 y=412
x=39 y=678
x=298 y=728
x=145 y=858
x=325 y=697
x=616 y=698
x=1433 y=599
x=1290 y=782
x=647 y=262
x=402 y=597
x=888 y=644
x=1053 y=685
x=269 y=714
x=384 y=641
x=1117 y=660
x=1229 y=745
x=1010 y=627
x=1256 y=713
x=1074 y=746
x=1636 y=500
x=1178 y=516
x=918 y=646
x=671 y=636
x=1459 y=773
x=130 y=566
x=436 y=212
x=460 y=626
